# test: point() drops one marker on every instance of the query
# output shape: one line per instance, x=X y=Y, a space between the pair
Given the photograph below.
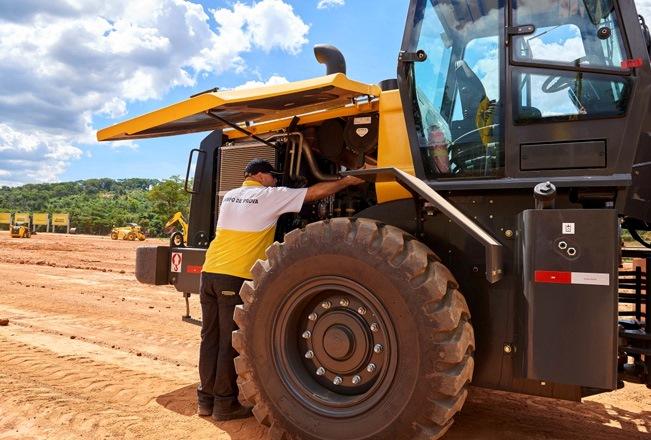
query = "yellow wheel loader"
x=177 y=238
x=505 y=170
x=129 y=232
x=20 y=231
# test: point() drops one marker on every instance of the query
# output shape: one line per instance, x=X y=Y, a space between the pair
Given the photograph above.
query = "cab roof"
x=255 y=105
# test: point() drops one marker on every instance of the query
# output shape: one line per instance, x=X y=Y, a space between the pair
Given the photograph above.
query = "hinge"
x=525 y=29
x=412 y=57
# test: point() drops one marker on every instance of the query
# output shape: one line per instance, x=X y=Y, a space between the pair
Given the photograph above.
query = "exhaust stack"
x=331 y=57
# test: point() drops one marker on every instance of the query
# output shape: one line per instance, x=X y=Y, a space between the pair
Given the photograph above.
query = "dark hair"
x=259 y=166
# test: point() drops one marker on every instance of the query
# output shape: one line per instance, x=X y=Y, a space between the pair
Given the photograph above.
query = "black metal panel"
x=152 y=263
x=186 y=276
x=638 y=200
x=202 y=218
x=568 y=309
x=563 y=155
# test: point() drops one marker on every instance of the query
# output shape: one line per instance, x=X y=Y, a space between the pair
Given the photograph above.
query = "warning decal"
x=176 y=262
x=563 y=277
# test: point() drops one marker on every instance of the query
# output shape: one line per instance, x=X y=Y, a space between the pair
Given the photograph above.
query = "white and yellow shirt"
x=246 y=226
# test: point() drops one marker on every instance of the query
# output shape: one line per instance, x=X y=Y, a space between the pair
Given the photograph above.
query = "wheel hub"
x=345 y=342
x=338 y=342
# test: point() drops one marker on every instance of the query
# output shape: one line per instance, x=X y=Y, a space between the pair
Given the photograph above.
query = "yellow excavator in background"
x=129 y=232
x=20 y=230
x=177 y=238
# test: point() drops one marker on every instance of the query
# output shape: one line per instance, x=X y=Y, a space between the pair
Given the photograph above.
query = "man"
x=245 y=228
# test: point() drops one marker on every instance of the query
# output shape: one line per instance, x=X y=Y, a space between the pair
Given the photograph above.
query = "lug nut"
x=370 y=368
x=326 y=304
x=312 y=316
x=356 y=380
x=378 y=348
x=309 y=354
x=562 y=245
x=337 y=380
x=361 y=311
x=343 y=302
x=375 y=327
x=320 y=371
x=571 y=252
x=307 y=334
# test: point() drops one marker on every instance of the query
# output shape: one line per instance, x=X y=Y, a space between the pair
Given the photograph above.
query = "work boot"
x=235 y=411
x=204 y=410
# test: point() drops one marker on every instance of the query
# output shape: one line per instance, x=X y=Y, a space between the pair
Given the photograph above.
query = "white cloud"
x=644 y=8
x=33 y=157
x=325 y=4
x=273 y=80
x=62 y=64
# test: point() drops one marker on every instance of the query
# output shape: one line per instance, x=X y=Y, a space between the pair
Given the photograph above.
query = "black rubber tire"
x=176 y=239
x=435 y=340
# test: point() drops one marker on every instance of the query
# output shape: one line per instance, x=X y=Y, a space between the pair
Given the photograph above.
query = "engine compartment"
x=309 y=154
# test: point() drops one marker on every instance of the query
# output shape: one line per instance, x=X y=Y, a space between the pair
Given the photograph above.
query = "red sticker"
x=193 y=269
x=553 y=276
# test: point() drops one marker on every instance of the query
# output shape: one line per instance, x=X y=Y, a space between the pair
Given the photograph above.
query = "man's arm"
x=325 y=189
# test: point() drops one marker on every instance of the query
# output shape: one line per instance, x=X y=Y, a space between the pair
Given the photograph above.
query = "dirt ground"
x=91 y=353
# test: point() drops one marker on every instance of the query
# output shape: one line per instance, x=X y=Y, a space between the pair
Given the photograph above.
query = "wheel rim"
x=334 y=346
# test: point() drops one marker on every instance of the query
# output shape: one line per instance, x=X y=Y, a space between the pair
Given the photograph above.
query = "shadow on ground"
x=184 y=402
x=494 y=415
x=487 y=415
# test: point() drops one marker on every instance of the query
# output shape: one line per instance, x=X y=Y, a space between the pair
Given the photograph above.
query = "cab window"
x=578 y=33
x=457 y=89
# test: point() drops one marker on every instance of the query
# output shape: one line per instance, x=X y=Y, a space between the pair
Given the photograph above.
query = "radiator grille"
x=233 y=159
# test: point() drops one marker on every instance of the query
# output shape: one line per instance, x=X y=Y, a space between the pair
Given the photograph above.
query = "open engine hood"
x=254 y=105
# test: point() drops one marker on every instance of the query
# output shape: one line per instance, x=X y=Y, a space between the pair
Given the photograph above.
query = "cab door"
x=571 y=85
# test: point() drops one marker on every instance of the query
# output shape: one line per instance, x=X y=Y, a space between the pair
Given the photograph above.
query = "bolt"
x=562 y=245
x=571 y=252
x=508 y=233
x=309 y=354
x=375 y=327
x=507 y=348
x=356 y=380
x=361 y=311
x=543 y=383
x=378 y=348
x=326 y=304
x=320 y=371
x=370 y=368
x=343 y=302
x=337 y=380
x=307 y=334
x=312 y=316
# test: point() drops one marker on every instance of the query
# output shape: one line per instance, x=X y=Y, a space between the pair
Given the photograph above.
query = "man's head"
x=261 y=171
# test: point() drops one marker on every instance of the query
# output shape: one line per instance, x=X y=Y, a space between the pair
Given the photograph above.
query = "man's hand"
x=352 y=180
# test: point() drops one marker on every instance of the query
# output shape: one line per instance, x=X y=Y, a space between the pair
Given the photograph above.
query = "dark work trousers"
x=219 y=295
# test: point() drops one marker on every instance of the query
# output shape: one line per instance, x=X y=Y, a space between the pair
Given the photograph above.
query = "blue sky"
x=71 y=67
x=70 y=70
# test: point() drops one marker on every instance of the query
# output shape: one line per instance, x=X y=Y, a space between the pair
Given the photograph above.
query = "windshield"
x=457 y=88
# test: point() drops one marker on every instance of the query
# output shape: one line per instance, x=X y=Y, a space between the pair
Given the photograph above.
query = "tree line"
x=97 y=205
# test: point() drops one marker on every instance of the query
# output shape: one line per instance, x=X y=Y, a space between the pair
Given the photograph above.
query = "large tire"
x=114 y=235
x=422 y=370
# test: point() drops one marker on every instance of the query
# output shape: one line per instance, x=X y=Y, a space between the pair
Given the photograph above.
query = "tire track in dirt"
x=162 y=345
x=68 y=396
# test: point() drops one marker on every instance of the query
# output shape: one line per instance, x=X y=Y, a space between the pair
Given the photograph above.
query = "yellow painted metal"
x=248 y=105
x=393 y=146
x=5 y=218
x=309 y=118
x=40 y=219
x=21 y=217
x=60 y=219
